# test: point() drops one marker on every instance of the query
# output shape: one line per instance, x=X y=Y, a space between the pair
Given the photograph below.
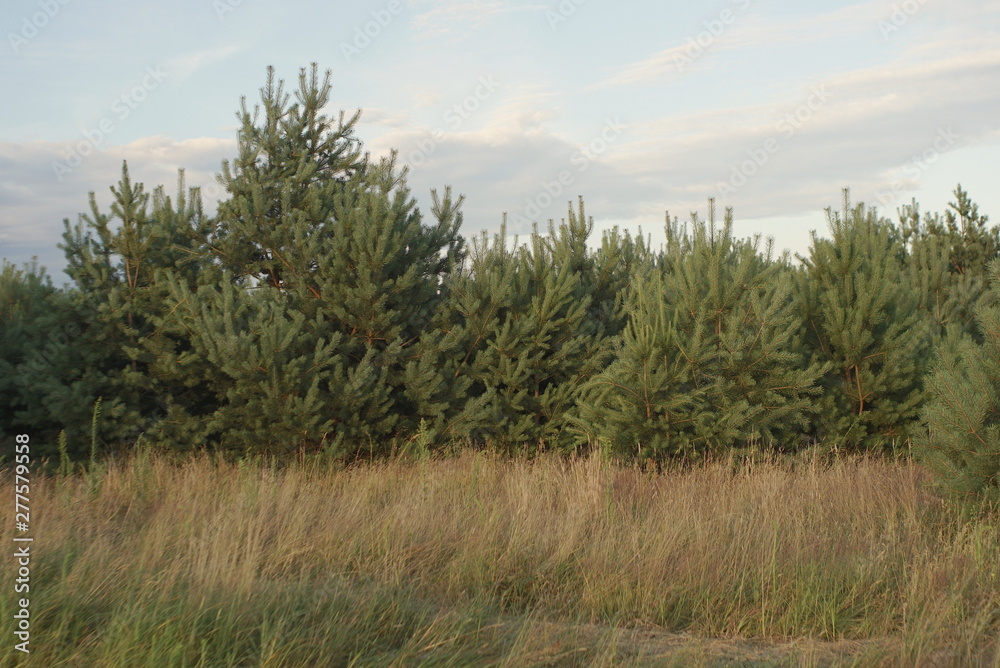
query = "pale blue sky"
x=641 y=107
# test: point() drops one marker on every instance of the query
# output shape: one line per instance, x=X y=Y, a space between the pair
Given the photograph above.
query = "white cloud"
x=33 y=202
x=888 y=98
x=958 y=27
x=744 y=31
x=875 y=120
x=456 y=19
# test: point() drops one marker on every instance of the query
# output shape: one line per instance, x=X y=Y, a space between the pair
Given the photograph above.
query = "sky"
x=641 y=108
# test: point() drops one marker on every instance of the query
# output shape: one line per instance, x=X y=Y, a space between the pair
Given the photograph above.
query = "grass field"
x=476 y=560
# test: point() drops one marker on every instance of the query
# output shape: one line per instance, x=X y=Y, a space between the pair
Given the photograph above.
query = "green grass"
x=476 y=560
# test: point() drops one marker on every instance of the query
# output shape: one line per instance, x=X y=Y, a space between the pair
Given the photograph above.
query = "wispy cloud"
x=875 y=120
x=454 y=18
x=890 y=93
x=34 y=203
x=747 y=31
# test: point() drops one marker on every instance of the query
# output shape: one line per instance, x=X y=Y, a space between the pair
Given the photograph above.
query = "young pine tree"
x=48 y=380
x=947 y=259
x=860 y=317
x=962 y=444
x=312 y=333
x=116 y=262
x=608 y=273
x=708 y=358
x=529 y=339
x=293 y=161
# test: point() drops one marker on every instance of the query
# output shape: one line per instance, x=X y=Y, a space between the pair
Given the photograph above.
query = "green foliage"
x=609 y=273
x=313 y=330
x=50 y=362
x=65 y=463
x=962 y=444
x=530 y=334
x=120 y=263
x=95 y=420
x=947 y=260
x=861 y=318
x=320 y=310
x=272 y=379
x=293 y=163
x=709 y=357
x=28 y=307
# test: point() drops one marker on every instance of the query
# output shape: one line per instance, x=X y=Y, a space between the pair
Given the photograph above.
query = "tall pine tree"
x=49 y=380
x=329 y=282
x=860 y=317
x=962 y=444
x=947 y=259
x=529 y=339
x=116 y=262
x=708 y=358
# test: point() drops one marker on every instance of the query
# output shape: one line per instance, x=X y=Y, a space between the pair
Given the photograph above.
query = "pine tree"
x=275 y=386
x=282 y=184
x=861 y=317
x=608 y=272
x=528 y=342
x=179 y=252
x=947 y=259
x=647 y=402
x=316 y=322
x=977 y=245
x=40 y=391
x=962 y=445
x=110 y=272
x=62 y=354
x=708 y=358
x=119 y=262
x=481 y=294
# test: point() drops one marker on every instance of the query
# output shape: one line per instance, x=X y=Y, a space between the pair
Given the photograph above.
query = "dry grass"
x=476 y=560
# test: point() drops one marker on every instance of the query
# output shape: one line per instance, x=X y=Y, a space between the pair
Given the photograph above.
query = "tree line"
x=320 y=310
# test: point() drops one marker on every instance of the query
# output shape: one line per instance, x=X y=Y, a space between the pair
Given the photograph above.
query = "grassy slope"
x=480 y=561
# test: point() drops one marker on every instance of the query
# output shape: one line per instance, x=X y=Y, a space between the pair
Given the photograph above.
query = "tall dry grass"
x=476 y=560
